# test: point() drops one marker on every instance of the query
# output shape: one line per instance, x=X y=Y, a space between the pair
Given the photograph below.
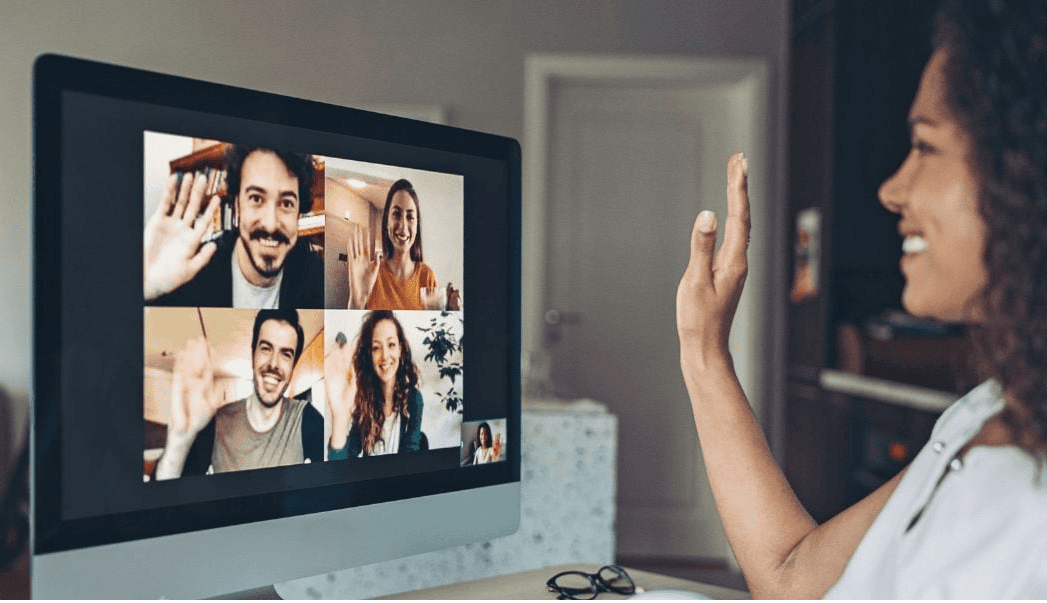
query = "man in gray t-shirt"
x=241 y=447
x=263 y=430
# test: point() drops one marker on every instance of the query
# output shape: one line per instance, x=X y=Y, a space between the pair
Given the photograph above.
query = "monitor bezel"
x=54 y=75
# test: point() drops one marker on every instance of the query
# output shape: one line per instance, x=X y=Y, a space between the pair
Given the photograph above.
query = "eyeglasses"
x=581 y=585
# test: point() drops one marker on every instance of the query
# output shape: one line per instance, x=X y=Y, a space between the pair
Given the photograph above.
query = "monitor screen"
x=250 y=326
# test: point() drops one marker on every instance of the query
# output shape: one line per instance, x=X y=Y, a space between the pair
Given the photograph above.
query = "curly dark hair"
x=299 y=164
x=387 y=243
x=996 y=76
x=484 y=426
x=368 y=414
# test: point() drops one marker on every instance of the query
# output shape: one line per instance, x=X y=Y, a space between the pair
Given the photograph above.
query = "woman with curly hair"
x=484 y=445
x=968 y=517
x=373 y=400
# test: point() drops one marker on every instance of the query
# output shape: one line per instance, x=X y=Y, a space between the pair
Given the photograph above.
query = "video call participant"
x=965 y=519
x=395 y=278
x=263 y=430
x=483 y=447
x=260 y=264
x=374 y=403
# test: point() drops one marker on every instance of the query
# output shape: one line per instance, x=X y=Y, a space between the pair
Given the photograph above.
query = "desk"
x=531 y=585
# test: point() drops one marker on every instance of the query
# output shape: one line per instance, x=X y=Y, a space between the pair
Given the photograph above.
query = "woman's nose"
x=891 y=192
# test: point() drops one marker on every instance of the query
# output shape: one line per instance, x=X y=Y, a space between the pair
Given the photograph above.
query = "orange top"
x=391 y=293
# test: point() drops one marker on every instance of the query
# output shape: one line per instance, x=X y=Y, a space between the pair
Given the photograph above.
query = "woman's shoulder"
x=415 y=398
x=965 y=417
x=384 y=271
x=426 y=275
x=1007 y=475
x=985 y=530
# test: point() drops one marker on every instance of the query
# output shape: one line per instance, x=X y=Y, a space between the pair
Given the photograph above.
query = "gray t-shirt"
x=238 y=446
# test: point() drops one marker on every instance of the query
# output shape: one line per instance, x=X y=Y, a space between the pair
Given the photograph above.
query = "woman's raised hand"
x=340 y=384
x=711 y=286
x=364 y=260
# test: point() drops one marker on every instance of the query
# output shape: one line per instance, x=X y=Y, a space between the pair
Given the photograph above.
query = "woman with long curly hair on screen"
x=374 y=403
x=484 y=445
x=968 y=517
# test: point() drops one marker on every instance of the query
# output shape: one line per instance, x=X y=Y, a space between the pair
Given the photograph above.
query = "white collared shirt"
x=971 y=528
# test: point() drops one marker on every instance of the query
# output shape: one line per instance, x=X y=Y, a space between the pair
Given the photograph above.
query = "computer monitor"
x=187 y=442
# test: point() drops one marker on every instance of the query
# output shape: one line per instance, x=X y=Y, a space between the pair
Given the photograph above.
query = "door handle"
x=554 y=317
x=554 y=320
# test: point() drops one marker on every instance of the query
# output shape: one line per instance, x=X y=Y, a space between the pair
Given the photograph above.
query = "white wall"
x=467 y=56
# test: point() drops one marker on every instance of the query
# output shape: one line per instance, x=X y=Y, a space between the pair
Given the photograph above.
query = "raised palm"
x=711 y=287
x=340 y=384
x=194 y=396
x=173 y=253
x=364 y=261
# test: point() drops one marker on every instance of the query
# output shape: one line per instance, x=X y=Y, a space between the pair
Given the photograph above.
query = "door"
x=619 y=162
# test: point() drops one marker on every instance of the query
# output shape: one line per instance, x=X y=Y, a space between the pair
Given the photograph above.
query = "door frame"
x=542 y=73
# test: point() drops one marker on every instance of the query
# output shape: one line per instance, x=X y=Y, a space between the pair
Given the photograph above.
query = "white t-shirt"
x=972 y=528
x=390 y=442
x=246 y=295
x=482 y=455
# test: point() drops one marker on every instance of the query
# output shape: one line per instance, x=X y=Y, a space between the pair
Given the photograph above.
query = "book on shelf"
x=310 y=221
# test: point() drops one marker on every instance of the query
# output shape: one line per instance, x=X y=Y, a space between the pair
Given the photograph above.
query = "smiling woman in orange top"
x=395 y=278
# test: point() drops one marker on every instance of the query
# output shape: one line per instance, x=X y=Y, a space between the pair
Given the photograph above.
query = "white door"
x=620 y=155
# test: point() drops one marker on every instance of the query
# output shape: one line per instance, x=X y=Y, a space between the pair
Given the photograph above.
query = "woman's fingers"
x=339 y=362
x=703 y=247
x=732 y=258
x=358 y=243
x=708 y=295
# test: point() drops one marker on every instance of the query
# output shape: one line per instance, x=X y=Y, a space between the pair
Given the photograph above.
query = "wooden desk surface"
x=531 y=585
x=14 y=584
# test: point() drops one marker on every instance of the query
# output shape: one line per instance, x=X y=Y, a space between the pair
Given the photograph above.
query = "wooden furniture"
x=937 y=361
x=530 y=585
